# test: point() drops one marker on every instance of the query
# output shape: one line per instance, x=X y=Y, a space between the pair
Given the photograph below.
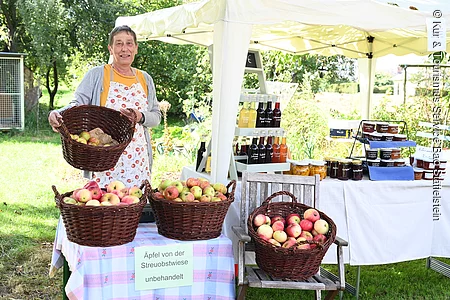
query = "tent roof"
x=326 y=27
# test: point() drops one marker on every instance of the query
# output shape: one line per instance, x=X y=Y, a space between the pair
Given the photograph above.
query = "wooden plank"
x=253 y=279
x=329 y=285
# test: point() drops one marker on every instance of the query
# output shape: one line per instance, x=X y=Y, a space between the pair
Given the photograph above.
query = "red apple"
x=293 y=230
x=307 y=235
x=115 y=185
x=84 y=195
x=158 y=195
x=96 y=193
x=130 y=199
x=119 y=193
x=293 y=218
x=220 y=195
x=278 y=225
x=135 y=191
x=311 y=214
x=290 y=242
x=259 y=219
x=171 y=192
x=187 y=197
x=203 y=183
x=320 y=238
x=265 y=231
x=190 y=182
x=306 y=225
x=110 y=197
x=301 y=243
x=277 y=218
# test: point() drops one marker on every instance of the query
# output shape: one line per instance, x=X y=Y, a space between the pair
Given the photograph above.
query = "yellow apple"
x=116 y=185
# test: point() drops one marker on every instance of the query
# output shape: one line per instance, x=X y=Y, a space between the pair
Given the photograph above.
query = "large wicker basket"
x=288 y=263
x=188 y=221
x=101 y=226
x=85 y=118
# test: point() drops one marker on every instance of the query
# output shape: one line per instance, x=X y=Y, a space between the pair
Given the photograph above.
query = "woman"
x=121 y=87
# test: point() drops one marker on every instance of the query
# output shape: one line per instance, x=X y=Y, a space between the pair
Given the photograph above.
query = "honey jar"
x=300 y=168
x=318 y=167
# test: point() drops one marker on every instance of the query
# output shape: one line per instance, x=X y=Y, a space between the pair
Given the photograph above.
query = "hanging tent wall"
x=364 y=29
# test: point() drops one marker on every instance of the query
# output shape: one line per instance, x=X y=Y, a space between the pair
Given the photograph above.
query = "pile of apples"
x=116 y=194
x=292 y=231
x=95 y=137
x=191 y=190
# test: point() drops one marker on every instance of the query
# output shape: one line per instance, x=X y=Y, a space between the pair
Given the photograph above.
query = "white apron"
x=132 y=167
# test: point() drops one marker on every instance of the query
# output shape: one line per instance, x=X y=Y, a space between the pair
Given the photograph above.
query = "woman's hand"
x=55 y=120
x=130 y=115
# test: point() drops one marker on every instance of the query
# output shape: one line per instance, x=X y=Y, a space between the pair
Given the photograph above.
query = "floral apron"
x=132 y=167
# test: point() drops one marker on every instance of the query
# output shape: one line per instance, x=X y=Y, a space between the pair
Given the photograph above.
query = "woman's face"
x=123 y=49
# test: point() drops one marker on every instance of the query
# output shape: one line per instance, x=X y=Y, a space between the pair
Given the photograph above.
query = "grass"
x=31 y=162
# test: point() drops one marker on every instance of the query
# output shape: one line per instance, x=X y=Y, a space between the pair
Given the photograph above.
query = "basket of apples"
x=290 y=238
x=99 y=217
x=191 y=210
x=93 y=137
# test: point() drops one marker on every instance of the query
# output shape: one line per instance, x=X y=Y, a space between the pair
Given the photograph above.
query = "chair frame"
x=306 y=189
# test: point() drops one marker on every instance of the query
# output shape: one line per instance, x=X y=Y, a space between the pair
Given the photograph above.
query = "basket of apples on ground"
x=191 y=210
x=93 y=137
x=100 y=217
x=290 y=238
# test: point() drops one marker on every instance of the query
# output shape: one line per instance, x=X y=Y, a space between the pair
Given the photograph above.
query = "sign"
x=251 y=60
x=159 y=267
x=436 y=32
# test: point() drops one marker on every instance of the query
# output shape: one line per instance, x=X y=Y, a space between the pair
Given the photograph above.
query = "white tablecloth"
x=383 y=221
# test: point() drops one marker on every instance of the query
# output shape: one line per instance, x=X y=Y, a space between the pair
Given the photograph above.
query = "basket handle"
x=280 y=193
x=57 y=195
x=62 y=129
x=231 y=184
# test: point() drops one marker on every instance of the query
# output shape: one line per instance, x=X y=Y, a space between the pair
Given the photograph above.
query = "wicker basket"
x=288 y=263
x=101 y=226
x=85 y=118
x=188 y=221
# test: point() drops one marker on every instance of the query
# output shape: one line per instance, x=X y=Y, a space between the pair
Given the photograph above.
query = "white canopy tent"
x=363 y=29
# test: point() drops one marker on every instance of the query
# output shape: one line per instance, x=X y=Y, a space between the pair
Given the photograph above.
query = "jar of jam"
x=399 y=137
x=373 y=162
x=318 y=167
x=385 y=153
x=371 y=153
x=328 y=163
x=344 y=167
x=357 y=170
x=375 y=136
x=393 y=128
x=368 y=126
x=334 y=168
x=395 y=153
x=300 y=168
x=386 y=163
x=382 y=127
x=387 y=137
x=418 y=174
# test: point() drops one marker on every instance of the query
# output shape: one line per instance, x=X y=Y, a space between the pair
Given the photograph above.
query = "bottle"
x=236 y=149
x=243 y=116
x=252 y=152
x=252 y=115
x=200 y=153
x=260 y=115
x=283 y=150
x=276 y=120
x=269 y=150
x=276 y=150
x=261 y=151
x=268 y=119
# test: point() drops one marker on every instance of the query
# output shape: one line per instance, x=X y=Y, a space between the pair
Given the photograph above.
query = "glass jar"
x=418 y=174
x=357 y=170
x=344 y=168
x=328 y=162
x=318 y=167
x=334 y=168
x=300 y=168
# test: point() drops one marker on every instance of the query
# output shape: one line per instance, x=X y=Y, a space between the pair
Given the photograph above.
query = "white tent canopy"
x=355 y=28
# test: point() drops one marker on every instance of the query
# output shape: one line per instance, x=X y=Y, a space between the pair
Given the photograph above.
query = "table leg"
x=66 y=275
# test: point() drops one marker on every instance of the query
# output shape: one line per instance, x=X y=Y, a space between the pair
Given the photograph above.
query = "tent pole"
x=404 y=86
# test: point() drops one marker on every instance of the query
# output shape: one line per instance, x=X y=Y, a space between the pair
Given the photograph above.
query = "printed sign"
x=436 y=32
x=160 y=267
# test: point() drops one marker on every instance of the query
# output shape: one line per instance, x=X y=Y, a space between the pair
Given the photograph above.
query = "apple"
x=171 y=192
x=280 y=236
x=209 y=190
x=93 y=141
x=320 y=238
x=220 y=195
x=110 y=197
x=277 y=218
x=307 y=235
x=135 y=191
x=314 y=233
x=164 y=184
x=85 y=135
x=69 y=200
x=306 y=225
x=278 y=225
x=290 y=242
x=178 y=185
x=293 y=218
x=116 y=185
x=321 y=226
x=267 y=220
x=84 y=195
x=74 y=136
x=105 y=203
x=203 y=183
x=293 y=230
x=274 y=242
x=91 y=185
x=220 y=187
x=197 y=191
x=93 y=203
x=191 y=181
x=75 y=194
x=205 y=198
x=311 y=214
x=120 y=193
x=96 y=193
x=265 y=232
x=259 y=220
x=185 y=189
x=302 y=245
x=158 y=195
x=177 y=199
x=187 y=197
x=81 y=140
x=129 y=199
x=215 y=199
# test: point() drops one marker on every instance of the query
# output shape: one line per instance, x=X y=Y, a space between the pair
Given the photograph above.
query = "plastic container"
x=372 y=153
x=395 y=153
x=382 y=127
x=393 y=128
x=368 y=126
x=386 y=163
x=318 y=167
x=418 y=173
x=385 y=153
x=300 y=168
x=399 y=137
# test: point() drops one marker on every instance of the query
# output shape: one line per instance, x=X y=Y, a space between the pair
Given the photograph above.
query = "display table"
x=383 y=221
x=109 y=272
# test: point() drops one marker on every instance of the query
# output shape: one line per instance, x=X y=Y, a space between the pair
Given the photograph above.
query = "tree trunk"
x=52 y=92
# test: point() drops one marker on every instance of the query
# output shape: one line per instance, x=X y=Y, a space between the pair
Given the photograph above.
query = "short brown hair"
x=119 y=29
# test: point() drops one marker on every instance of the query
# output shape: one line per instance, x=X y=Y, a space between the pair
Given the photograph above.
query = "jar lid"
x=393 y=125
x=357 y=162
x=382 y=123
x=399 y=160
x=373 y=160
x=417 y=170
x=400 y=135
x=300 y=163
x=376 y=134
x=386 y=149
x=388 y=134
x=370 y=123
x=387 y=160
x=318 y=163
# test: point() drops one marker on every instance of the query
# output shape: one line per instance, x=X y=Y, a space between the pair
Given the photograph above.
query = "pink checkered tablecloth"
x=108 y=273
